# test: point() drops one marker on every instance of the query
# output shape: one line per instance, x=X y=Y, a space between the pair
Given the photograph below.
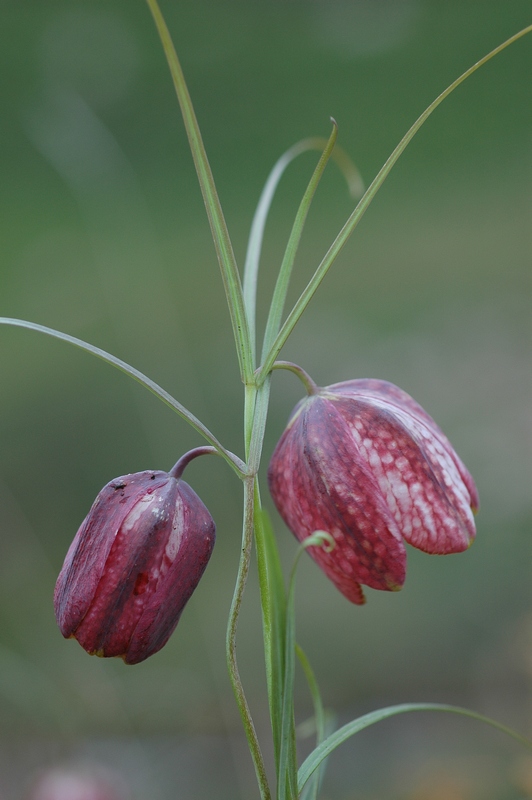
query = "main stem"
x=243 y=570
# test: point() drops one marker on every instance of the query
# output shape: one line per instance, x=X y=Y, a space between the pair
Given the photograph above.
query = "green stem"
x=250 y=397
x=259 y=425
x=304 y=377
x=243 y=570
x=255 y=412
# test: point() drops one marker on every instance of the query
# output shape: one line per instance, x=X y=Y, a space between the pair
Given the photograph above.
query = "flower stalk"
x=232 y=664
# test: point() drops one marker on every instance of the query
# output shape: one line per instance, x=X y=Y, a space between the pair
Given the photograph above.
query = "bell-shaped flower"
x=364 y=462
x=133 y=565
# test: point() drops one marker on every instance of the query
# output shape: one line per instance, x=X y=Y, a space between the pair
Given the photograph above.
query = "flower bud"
x=364 y=462
x=133 y=565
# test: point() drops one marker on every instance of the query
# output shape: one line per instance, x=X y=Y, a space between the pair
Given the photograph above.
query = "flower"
x=364 y=462
x=133 y=565
x=78 y=784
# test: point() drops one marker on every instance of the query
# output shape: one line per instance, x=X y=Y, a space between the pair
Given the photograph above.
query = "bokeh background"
x=104 y=236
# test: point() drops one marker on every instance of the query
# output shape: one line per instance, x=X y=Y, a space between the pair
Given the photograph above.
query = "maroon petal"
x=131 y=574
x=87 y=555
x=318 y=484
x=185 y=559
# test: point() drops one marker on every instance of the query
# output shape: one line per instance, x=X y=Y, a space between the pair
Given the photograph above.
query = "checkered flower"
x=364 y=462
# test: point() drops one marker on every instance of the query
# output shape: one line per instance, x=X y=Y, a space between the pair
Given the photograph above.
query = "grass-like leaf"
x=361 y=208
x=319 y=715
x=235 y=463
x=281 y=286
x=273 y=602
x=220 y=233
x=251 y=267
x=346 y=731
x=287 y=775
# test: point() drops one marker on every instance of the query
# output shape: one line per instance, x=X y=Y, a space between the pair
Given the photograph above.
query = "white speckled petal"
x=379 y=392
x=416 y=474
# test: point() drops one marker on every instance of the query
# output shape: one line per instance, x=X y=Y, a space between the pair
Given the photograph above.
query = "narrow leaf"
x=346 y=731
x=237 y=465
x=281 y=287
x=319 y=714
x=220 y=233
x=361 y=208
x=287 y=775
x=251 y=267
x=273 y=602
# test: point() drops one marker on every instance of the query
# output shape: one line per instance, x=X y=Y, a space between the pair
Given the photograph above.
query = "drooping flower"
x=133 y=565
x=364 y=462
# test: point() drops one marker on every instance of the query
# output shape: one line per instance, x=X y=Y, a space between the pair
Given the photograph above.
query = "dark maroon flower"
x=133 y=565
x=364 y=462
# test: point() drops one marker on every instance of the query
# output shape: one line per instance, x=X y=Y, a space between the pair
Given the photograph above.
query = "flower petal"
x=415 y=472
x=131 y=574
x=88 y=553
x=182 y=566
x=318 y=484
x=378 y=391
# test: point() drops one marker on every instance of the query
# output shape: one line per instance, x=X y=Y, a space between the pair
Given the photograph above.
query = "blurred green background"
x=104 y=236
